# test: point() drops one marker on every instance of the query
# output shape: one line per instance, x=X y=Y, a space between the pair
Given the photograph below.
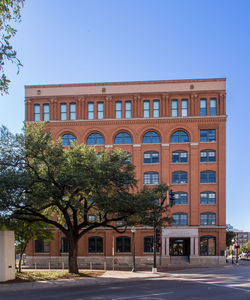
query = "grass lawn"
x=29 y=276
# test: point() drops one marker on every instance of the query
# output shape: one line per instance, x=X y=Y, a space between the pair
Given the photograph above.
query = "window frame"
x=123 y=240
x=72 y=111
x=213 y=109
x=207 y=151
x=94 y=134
x=37 y=114
x=146 y=110
x=180 y=135
x=179 y=174
x=68 y=136
x=179 y=157
x=63 y=114
x=174 y=110
x=151 y=178
x=123 y=138
x=203 y=253
x=46 y=114
x=151 y=135
x=209 y=179
x=209 y=220
x=45 y=244
x=156 y=110
x=64 y=245
x=203 y=109
x=209 y=137
x=118 y=112
x=207 y=201
x=91 y=112
x=95 y=240
x=184 y=110
x=128 y=109
x=151 y=157
x=181 y=202
x=100 y=110
x=180 y=221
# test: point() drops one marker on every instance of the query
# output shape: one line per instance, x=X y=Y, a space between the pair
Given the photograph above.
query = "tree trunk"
x=73 y=250
x=21 y=257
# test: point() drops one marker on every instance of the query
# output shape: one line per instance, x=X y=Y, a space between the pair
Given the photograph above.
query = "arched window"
x=181 y=198
x=68 y=139
x=179 y=157
x=208 y=177
x=207 y=246
x=95 y=139
x=179 y=137
x=208 y=218
x=151 y=178
x=180 y=219
x=95 y=244
x=179 y=177
x=208 y=198
x=123 y=138
x=123 y=244
x=208 y=156
x=151 y=137
x=151 y=157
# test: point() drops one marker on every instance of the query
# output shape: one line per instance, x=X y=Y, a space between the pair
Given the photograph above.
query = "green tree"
x=230 y=235
x=9 y=13
x=40 y=180
x=248 y=248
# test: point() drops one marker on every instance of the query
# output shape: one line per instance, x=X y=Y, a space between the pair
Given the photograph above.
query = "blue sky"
x=77 y=41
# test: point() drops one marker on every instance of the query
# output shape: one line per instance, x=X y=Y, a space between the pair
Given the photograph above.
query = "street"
x=204 y=283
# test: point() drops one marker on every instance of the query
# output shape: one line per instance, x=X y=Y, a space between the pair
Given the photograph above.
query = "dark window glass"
x=72 y=111
x=208 y=198
x=128 y=110
x=46 y=112
x=179 y=137
x=213 y=107
x=207 y=246
x=63 y=111
x=92 y=218
x=151 y=178
x=151 y=137
x=208 y=219
x=203 y=107
x=91 y=111
x=179 y=157
x=207 y=135
x=208 y=156
x=64 y=245
x=181 y=198
x=208 y=177
x=146 y=109
x=179 y=177
x=100 y=110
x=180 y=219
x=42 y=246
x=184 y=108
x=95 y=139
x=174 y=108
x=37 y=112
x=151 y=157
x=95 y=244
x=148 y=244
x=156 y=108
x=123 y=244
x=123 y=138
x=118 y=109
x=68 y=139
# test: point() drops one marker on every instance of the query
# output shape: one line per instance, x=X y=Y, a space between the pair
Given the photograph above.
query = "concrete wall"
x=7 y=255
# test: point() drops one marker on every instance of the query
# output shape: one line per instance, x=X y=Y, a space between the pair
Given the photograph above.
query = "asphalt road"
x=213 y=283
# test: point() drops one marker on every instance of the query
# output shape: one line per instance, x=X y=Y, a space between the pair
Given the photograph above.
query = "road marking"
x=144 y=295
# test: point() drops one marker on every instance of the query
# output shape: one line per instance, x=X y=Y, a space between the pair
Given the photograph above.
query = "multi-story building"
x=176 y=133
x=241 y=237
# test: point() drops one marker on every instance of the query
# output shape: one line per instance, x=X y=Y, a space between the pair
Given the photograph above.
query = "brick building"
x=176 y=133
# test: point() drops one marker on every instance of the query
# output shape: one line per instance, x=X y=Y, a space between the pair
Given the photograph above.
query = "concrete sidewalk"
x=107 y=277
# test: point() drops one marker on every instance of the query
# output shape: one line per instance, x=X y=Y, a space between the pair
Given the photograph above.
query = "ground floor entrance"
x=179 y=247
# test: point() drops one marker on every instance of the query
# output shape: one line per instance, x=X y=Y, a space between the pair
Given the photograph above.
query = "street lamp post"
x=133 y=241
x=237 y=247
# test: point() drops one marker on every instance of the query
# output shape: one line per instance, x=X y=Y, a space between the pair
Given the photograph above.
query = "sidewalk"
x=107 y=277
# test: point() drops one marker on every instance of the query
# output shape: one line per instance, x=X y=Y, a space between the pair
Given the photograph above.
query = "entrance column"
x=167 y=246
x=191 y=246
x=196 y=246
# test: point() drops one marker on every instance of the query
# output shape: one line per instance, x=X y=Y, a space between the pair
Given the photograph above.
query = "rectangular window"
x=184 y=108
x=90 y=111
x=37 y=112
x=72 y=111
x=151 y=178
x=100 y=110
x=64 y=245
x=174 y=108
x=213 y=107
x=128 y=110
x=118 y=109
x=46 y=112
x=203 y=107
x=42 y=246
x=146 y=109
x=63 y=110
x=207 y=135
x=156 y=108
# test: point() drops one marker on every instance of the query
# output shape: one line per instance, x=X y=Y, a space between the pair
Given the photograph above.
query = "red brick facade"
x=137 y=125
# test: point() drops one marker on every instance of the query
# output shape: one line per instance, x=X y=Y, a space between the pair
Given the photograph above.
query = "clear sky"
x=79 y=41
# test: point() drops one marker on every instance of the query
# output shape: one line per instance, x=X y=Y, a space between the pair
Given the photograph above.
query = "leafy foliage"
x=9 y=13
x=41 y=181
x=230 y=235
